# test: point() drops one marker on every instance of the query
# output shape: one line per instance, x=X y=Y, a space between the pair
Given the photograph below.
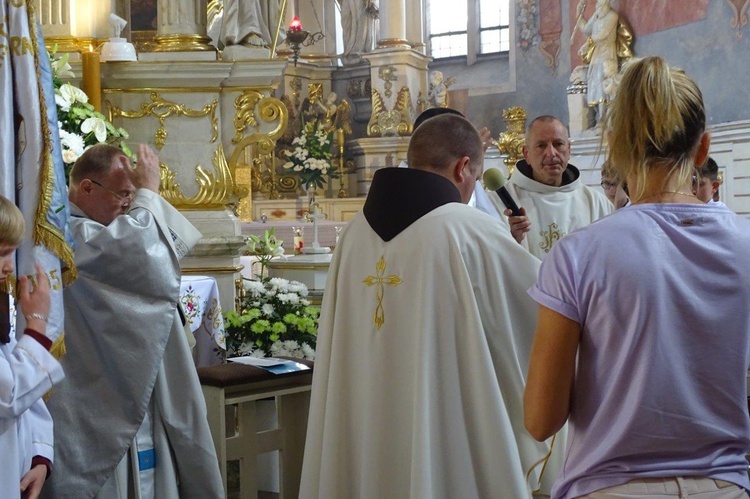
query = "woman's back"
x=661 y=292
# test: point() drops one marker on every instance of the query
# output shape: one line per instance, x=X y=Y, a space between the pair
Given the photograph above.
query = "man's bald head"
x=440 y=141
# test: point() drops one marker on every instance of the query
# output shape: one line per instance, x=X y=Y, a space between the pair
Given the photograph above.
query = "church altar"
x=199 y=297
x=284 y=230
x=310 y=270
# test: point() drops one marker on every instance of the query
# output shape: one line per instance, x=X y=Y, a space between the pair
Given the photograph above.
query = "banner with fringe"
x=30 y=157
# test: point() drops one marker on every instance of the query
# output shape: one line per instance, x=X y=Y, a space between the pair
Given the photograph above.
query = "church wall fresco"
x=710 y=40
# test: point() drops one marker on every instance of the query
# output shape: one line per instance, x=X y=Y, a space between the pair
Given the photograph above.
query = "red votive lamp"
x=295 y=25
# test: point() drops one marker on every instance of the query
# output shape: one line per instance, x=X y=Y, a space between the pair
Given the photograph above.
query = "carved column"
x=181 y=27
x=415 y=25
x=72 y=24
x=393 y=24
x=398 y=87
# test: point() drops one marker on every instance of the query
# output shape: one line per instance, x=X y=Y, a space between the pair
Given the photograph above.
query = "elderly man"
x=424 y=339
x=552 y=198
x=130 y=420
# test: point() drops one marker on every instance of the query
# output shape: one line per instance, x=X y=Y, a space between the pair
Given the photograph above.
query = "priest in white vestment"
x=549 y=190
x=424 y=340
x=130 y=418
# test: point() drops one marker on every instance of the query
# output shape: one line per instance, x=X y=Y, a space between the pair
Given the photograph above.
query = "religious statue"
x=333 y=116
x=438 y=93
x=251 y=23
x=608 y=42
x=359 y=27
x=311 y=107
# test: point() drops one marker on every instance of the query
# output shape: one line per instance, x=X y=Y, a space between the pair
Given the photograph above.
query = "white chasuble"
x=421 y=362
x=553 y=211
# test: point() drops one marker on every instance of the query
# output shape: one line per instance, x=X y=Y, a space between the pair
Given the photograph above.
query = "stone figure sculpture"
x=438 y=93
x=359 y=26
x=608 y=42
x=250 y=23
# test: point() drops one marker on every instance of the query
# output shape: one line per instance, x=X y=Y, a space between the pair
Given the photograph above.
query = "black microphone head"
x=493 y=179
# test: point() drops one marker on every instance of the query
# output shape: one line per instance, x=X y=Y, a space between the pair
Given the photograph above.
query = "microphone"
x=495 y=181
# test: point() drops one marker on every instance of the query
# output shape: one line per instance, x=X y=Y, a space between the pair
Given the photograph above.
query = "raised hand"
x=35 y=303
x=145 y=175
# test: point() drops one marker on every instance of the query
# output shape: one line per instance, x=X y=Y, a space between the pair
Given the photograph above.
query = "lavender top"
x=662 y=292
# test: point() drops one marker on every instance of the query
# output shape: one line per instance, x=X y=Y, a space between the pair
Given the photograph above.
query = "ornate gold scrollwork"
x=288 y=183
x=162 y=109
x=214 y=190
x=251 y=107
x=512 y=140
x=397 y=121
x=245 y=115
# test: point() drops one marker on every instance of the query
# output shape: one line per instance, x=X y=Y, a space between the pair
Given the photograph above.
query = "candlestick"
x=313 y=216
x=91 y=82
x=341 y=139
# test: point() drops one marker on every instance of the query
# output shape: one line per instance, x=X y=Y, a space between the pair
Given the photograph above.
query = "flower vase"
x=312 y=192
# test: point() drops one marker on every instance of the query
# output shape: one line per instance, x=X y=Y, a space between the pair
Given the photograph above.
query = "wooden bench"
x=232 y=392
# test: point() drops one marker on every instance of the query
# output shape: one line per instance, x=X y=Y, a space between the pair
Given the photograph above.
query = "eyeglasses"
x=606 y=185
x=126 y=198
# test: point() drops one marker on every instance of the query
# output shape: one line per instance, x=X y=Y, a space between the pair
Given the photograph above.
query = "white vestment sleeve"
x=40 y=422
x=183 y=235
x=27 y=372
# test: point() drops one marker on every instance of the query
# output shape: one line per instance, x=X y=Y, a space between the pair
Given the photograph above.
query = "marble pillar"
x=181 y=27
x=393 y=24
x=415 y=25
x=64 y=25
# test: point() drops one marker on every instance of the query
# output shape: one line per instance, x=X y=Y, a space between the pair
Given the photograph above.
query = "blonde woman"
x=643 y=335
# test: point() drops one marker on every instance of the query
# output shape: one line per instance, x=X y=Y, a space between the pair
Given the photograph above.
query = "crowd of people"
x=588 y=347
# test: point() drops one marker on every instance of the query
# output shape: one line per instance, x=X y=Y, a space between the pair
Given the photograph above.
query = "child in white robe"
x=27 y=371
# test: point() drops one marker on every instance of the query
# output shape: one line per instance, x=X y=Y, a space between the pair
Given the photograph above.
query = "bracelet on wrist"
x=36 y=316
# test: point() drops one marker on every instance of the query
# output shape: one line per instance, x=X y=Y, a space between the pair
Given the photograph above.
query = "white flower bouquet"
x=275 y=316
x=311 y=156
x=80 y=125
x=277 y=320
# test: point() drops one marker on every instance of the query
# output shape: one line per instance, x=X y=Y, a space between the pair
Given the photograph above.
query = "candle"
x=91 y=82
x=295 y=25
x=340 y=136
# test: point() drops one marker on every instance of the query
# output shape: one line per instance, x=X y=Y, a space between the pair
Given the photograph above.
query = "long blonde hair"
x=655 y=121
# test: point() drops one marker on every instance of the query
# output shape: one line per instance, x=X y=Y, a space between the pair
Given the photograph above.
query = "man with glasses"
x=130 y=419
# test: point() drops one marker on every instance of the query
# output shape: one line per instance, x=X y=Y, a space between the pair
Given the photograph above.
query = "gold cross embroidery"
x=380 y=280
x=550 y=236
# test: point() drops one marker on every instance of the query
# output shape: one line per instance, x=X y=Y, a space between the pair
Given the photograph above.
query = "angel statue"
x=438 y=93
x=333 y=116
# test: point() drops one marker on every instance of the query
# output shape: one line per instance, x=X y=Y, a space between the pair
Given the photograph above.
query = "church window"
x=468 y=28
